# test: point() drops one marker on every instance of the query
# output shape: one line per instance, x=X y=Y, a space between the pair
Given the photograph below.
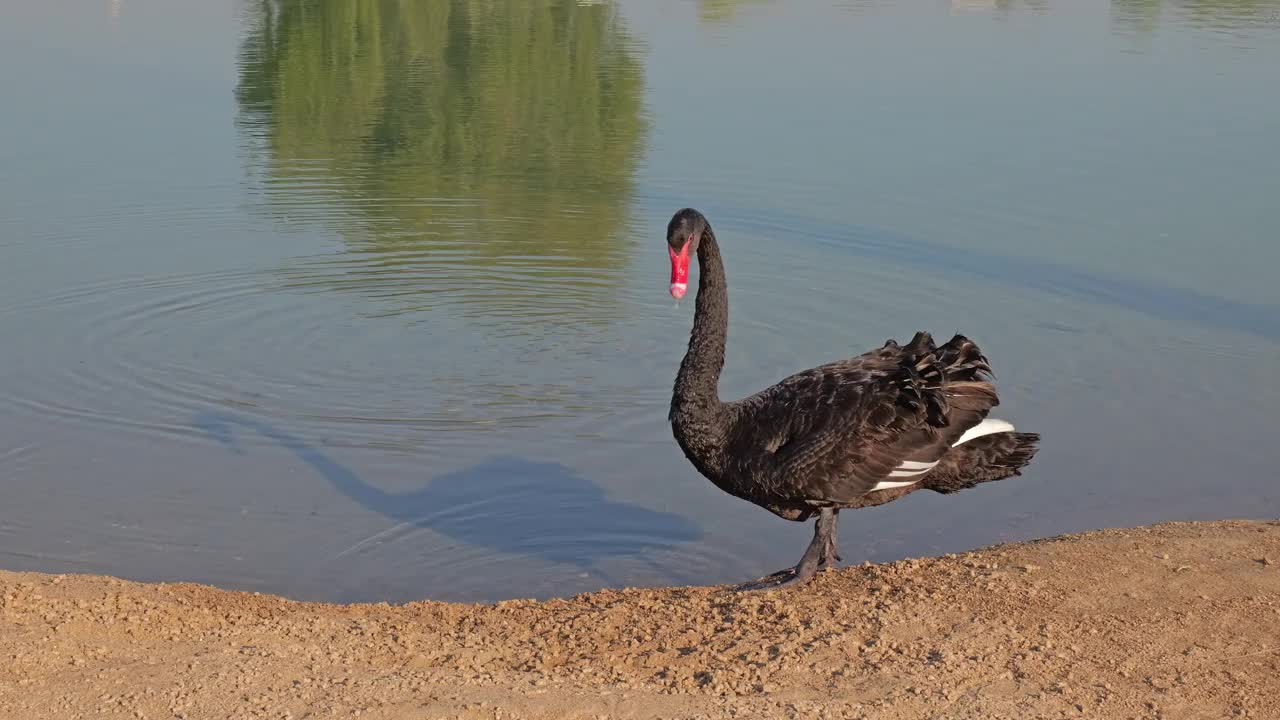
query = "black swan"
x=849 y=434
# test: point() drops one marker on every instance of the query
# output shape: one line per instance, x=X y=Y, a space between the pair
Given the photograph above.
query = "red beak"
x=679 y=270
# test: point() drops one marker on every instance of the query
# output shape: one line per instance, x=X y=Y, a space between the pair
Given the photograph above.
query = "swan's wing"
x=881 y=420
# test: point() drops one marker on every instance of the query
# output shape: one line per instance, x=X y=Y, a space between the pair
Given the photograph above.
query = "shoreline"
x=1175 y=620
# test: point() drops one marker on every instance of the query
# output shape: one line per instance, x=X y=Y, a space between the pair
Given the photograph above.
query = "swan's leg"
x=831 y=549
x=821 y=551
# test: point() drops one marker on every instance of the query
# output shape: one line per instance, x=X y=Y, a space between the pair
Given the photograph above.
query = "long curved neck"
x=696 y=409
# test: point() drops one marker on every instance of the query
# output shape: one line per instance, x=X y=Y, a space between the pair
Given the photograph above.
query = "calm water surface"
x=367 y=301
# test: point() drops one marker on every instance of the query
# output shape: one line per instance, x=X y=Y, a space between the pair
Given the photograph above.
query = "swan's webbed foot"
x=820 y=555
x=790 y=577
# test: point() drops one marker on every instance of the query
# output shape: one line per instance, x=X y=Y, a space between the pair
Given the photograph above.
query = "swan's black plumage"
x=823 y=439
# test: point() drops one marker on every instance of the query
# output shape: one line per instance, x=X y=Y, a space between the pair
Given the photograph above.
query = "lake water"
x=356 y=300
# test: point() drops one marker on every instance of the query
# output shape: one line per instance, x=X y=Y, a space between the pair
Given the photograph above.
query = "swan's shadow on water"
x=506 y=504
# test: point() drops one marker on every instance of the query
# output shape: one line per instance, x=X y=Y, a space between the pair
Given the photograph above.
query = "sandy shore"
x=1172 y=621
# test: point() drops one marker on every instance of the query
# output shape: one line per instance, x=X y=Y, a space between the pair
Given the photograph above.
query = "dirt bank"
x=1174 y=621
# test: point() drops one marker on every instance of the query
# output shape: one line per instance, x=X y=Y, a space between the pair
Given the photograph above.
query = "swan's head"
x=684 y=232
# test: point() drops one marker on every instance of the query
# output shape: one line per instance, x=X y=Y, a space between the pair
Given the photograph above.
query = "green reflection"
x=1144 y=15
x=1140 y=15
x=449 y=137
x=723 y=11
x=1002 y=6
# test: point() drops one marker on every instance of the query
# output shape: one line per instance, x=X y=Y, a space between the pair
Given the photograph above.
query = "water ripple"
x=139 y=353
